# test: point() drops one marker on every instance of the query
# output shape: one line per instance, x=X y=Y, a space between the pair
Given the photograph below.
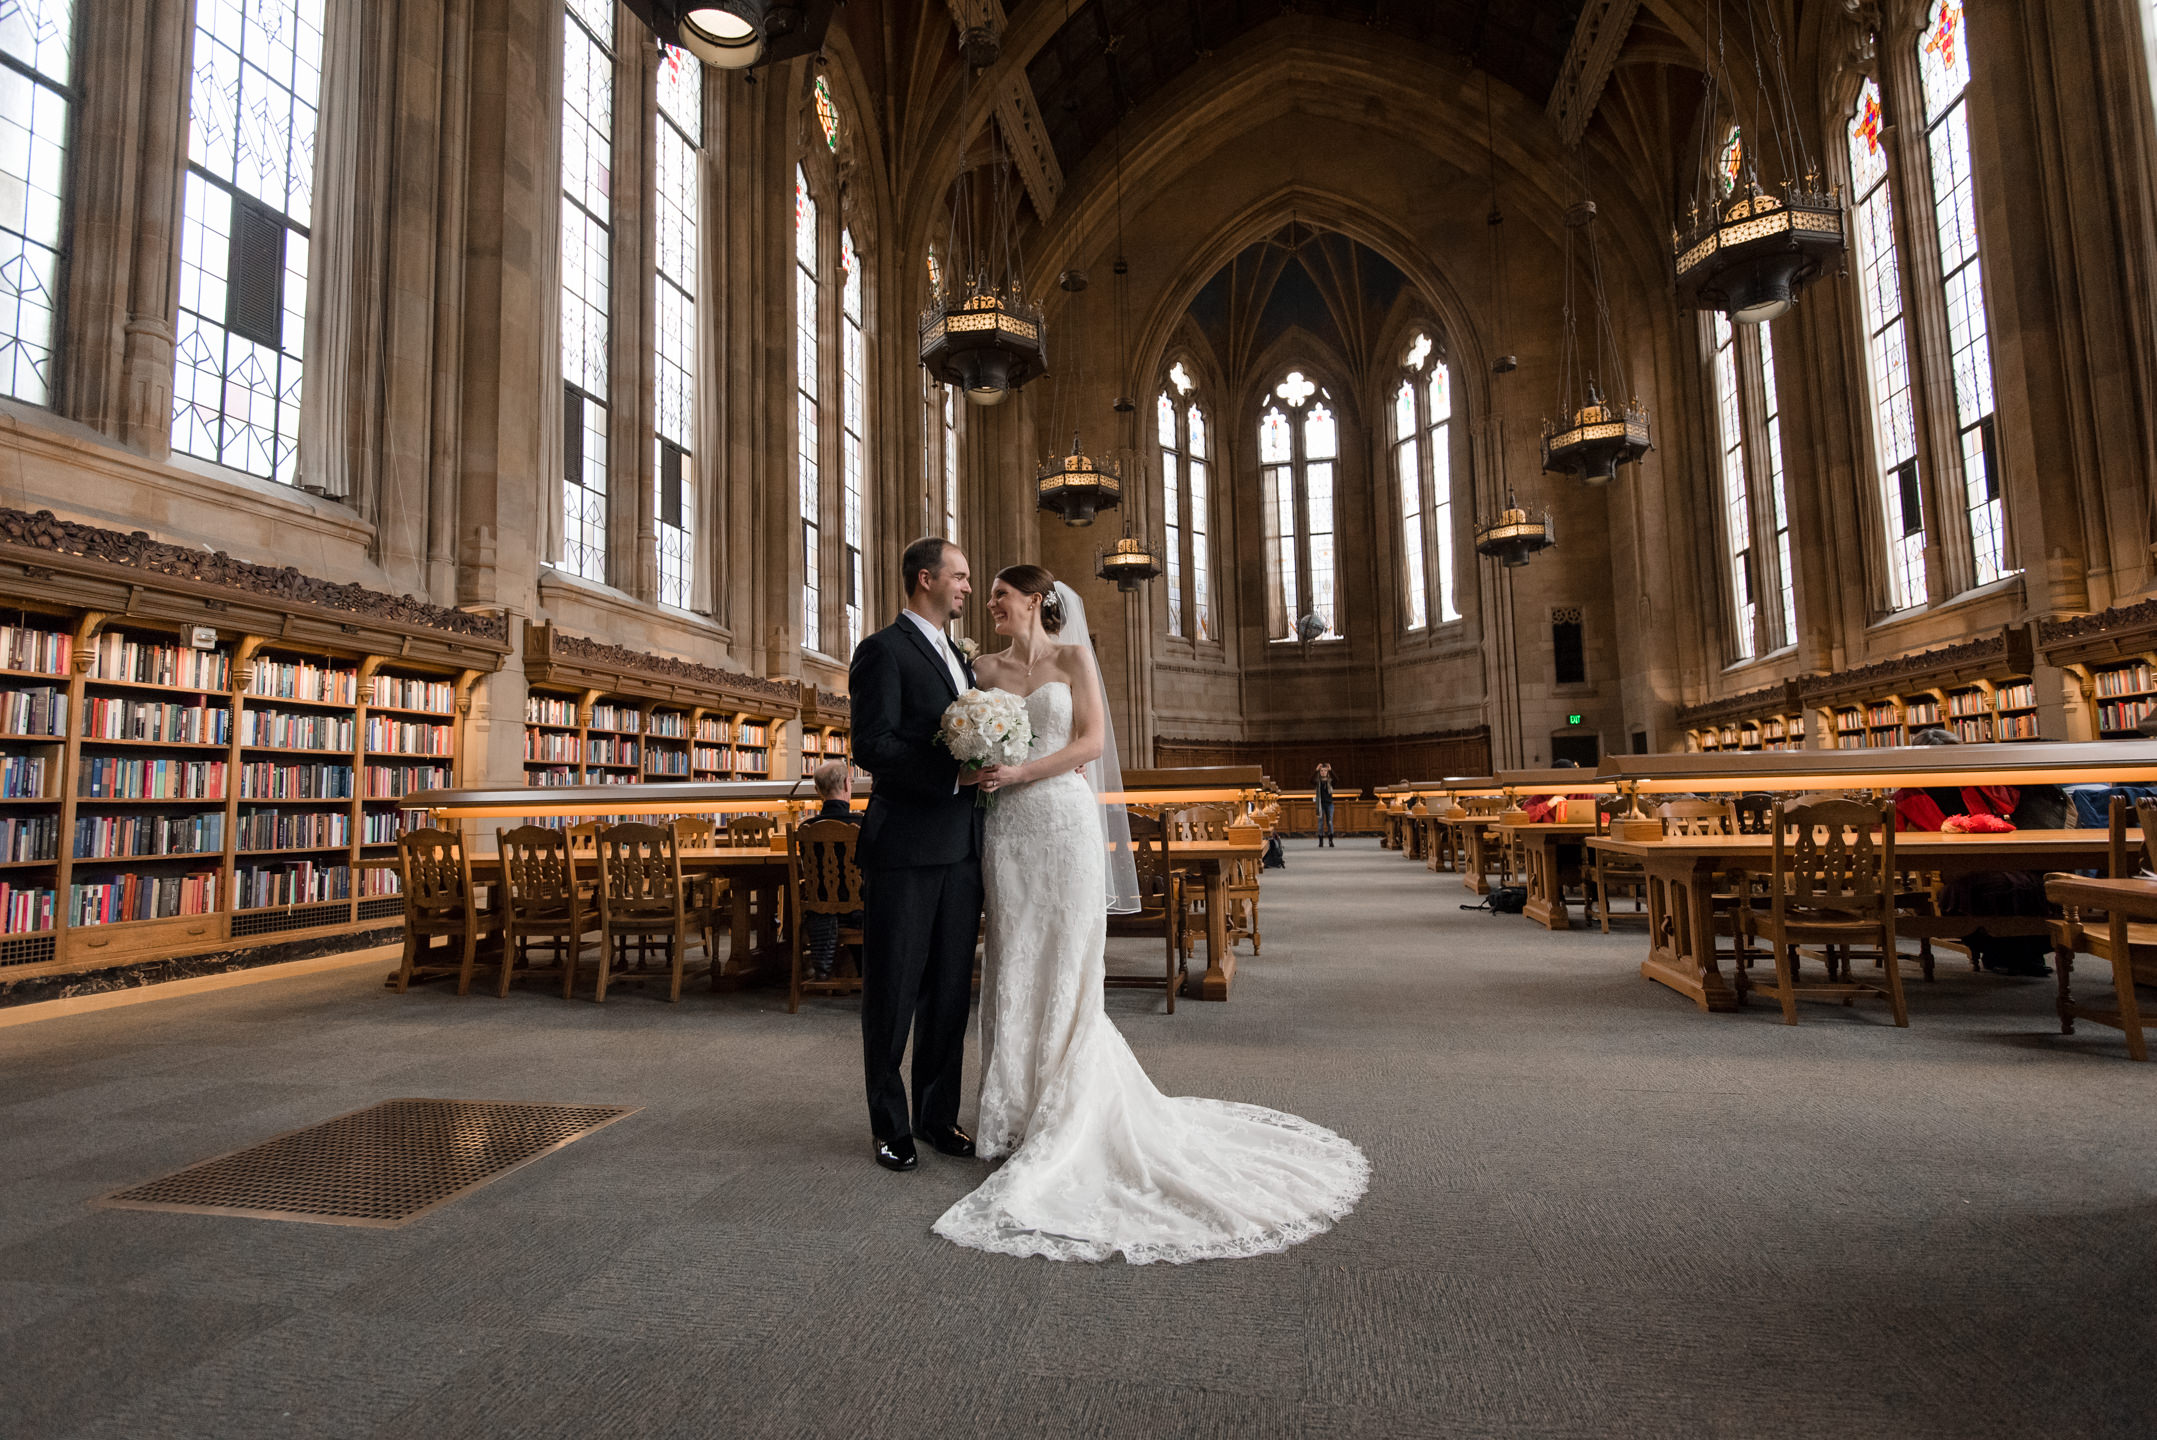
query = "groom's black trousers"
x=917 y=974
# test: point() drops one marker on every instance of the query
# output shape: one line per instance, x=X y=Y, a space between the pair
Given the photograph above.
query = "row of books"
x=29 y=837
x=25 y=909
x=106 y=718
x=147 y=662
x=2135 y=679
x=547 y=710
x=37 y=710
x=553 y=746
x=293 y=829
x=382 y=827
x=394 y=782
x=263 y=780
x=22 y=777
x=403 y=692
x=150 y=778
x=47 y=651
x=611 y=750
x=2125 y=714
x=295 y=730
x=304 y=680
x=666 y=762
x=404 y=737
x=291 y=882
x=616 y=717
x=117 y=837
x=670 y=724
x=142 y=897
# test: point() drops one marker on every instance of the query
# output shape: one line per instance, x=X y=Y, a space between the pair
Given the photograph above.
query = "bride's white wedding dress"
x=1099 y=1160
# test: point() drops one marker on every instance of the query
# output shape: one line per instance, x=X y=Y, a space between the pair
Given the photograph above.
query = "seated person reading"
x=835 y=790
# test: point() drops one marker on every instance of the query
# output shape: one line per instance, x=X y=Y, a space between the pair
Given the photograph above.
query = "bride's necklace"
x=1030 y=664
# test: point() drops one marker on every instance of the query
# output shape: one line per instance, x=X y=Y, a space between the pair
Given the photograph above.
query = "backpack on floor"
x=1503 y=900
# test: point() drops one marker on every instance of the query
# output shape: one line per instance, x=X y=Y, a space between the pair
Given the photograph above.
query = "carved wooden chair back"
x=1149 y=850
x=1698 y=817
x=693 y=832
x=1201 y=822
x=538 y=878
x=1755 y=813
x=1834 y=857
x=821 y=856
x=2146 y=817
x=640 y=873
x=1483 y=804
x=1161 y=907
x=437 y=879
x=748 y=832
x=584 y=837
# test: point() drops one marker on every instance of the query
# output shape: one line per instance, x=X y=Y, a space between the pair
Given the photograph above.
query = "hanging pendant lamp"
x=1592 y=437
x=1750 y=250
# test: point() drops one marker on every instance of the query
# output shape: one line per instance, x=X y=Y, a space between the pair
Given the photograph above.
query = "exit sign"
x=1572 y=719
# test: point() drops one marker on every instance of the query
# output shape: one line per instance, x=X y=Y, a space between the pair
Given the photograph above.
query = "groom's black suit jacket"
x=899 y=688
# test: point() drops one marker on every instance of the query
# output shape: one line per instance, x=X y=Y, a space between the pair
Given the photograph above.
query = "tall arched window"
x=1887 y=355
x=1944 y=65
x=939 y=438
x=808 y=360
x=1778 y=492
x=587 y=254
x=1185 y=442
x=1736 y=497
x=854 y=424
x=1298 y=446
x=37 y=48
x=678 y=131
x=1423 y=468
x=243 y=234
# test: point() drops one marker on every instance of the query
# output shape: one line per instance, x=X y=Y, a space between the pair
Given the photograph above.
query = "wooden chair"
x=696 y=832
x=541 y=901
x=1616 y=872
x=1833 y=885
x=822 y=879
x=641 y=897
x=748 y=832
x=438 y=904
x=2077 y=934
x=1201 y=822
x=1160 y=913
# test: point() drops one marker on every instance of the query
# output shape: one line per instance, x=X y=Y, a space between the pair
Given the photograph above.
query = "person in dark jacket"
x=1322 y=785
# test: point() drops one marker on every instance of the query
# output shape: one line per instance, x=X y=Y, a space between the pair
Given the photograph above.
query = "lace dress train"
x=1101 y=1162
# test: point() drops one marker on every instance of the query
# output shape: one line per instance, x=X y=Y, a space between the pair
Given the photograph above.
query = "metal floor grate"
x=383 y=1166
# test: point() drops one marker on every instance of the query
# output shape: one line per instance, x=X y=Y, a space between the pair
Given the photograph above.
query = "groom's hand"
x=973 y=777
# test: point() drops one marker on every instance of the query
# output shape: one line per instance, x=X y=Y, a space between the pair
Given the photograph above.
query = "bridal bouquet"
x=986 y=727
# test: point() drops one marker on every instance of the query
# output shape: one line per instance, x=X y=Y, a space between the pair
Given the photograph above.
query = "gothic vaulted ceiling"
x=1114 y=54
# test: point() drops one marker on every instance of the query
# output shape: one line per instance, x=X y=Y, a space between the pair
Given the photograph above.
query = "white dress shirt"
x=942 y=646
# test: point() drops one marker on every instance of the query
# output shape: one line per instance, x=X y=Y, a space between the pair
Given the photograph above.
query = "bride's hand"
x=996 y=777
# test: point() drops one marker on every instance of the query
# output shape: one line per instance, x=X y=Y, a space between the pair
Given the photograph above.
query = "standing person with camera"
x=1322 y=784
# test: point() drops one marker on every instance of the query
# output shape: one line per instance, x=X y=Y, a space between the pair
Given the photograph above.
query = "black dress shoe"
x=952 y=1142
x=897 y=1154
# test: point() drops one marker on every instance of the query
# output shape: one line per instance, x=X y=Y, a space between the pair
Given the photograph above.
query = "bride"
x=1099 y=1161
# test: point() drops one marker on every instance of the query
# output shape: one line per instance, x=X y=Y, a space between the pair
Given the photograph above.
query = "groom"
x=920 y=857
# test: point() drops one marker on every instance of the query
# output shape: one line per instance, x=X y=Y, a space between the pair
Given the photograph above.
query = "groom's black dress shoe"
x=897 y=1154
x=952 y=1142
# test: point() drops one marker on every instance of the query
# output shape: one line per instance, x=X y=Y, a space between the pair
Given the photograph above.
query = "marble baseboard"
x=146 y=973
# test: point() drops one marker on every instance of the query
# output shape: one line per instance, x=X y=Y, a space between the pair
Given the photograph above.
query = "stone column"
x=130 y=158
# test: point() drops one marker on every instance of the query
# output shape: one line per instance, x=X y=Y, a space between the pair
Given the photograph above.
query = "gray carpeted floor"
x=1596 y=1212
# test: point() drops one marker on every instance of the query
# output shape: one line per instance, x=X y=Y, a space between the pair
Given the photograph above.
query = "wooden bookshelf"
x=598 y=714
x=826 y=729
x=2112 y=657
x=191 y=764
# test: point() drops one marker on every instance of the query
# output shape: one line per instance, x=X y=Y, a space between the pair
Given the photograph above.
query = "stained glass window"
x=1407 y=446
x=1944 y=63
x=1730 y=160
x=1736 y=500
x=1171 y=505
x=1275 y=453
x=827 y=114
x=679 y=132
x=1298 y=449
x=1887 y=355
x=37 y=78
x=808 y=358
x=1778 y=497
x=1200 y=474
x=1422 y=462
x=854 y=427
x=243 y=233
x=587 y=255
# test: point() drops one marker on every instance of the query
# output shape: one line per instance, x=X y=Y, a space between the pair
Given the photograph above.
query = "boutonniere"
x=969 y=649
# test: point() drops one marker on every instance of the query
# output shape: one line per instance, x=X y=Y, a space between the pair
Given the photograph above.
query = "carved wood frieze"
x=551 y=657
x=46 y=535
x=2003 y=654
x=2106 y=632
x=1777 y=699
